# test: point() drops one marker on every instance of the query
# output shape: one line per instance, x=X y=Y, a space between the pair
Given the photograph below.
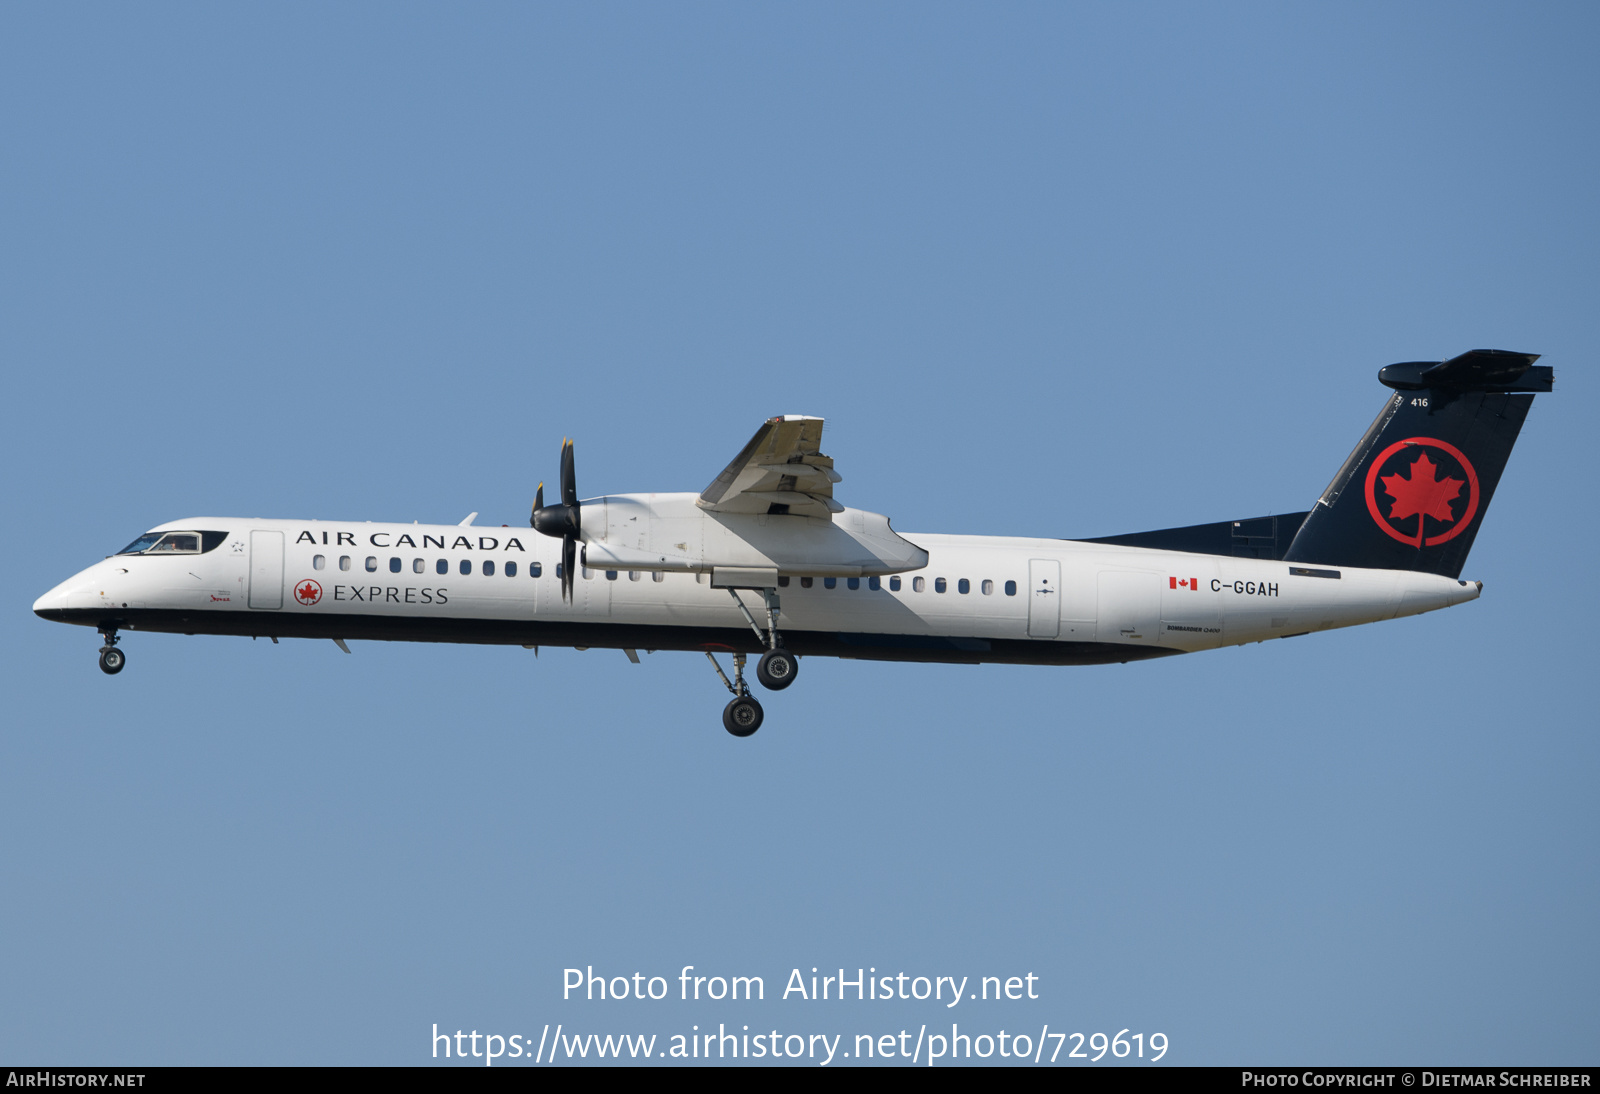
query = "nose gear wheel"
x=112 y=659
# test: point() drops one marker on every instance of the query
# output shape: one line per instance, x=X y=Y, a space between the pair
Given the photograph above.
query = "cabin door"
x=266 y=569
x=1044 y=598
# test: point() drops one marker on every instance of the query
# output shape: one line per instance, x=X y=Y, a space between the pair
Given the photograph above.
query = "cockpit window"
x=174 y=543
x=147 y=540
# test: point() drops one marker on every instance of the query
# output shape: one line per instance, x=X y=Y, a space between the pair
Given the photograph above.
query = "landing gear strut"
x=111 y=658
x=777 y=668
x=742 y=716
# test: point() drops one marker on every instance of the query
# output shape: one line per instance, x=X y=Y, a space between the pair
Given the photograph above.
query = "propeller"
x=564 y=520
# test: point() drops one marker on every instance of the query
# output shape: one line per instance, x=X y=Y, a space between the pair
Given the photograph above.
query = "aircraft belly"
x=613 y=635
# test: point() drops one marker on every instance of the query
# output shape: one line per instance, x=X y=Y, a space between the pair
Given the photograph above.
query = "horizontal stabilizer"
x=1475 y=370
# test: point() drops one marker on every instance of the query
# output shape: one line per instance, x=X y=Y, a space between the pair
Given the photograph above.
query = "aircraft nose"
x=51 y=602
x=54 y=603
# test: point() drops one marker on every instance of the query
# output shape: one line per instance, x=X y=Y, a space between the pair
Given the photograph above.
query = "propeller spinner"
x=564 y=520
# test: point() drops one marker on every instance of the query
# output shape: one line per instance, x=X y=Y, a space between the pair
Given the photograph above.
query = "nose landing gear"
x=111 y=659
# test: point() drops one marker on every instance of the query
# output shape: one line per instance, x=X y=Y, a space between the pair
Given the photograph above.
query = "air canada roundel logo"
x=308 y=592
x=1422 y=491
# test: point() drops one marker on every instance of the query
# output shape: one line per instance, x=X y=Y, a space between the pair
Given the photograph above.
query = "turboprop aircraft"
x=765 y=561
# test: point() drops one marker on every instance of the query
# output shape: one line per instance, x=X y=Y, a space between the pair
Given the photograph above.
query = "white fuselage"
x=979 y=598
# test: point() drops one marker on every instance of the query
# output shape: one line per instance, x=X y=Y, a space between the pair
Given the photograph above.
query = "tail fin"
x=1415 y=490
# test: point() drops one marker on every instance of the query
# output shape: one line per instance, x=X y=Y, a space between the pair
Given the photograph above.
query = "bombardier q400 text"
x=764 y=561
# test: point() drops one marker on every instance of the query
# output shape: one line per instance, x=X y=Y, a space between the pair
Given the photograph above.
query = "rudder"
x=1413 y=493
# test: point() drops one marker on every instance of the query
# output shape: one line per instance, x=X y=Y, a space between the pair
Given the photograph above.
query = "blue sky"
x=1046 y=270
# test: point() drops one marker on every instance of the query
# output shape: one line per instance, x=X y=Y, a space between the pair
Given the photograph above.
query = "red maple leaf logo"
x=1423 y=494
x=309 y=593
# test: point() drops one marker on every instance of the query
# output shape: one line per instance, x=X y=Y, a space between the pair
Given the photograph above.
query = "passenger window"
x=988 y=587
x=511 y=569
x=535 y=569
x=633 y=575
x=488 y=567
x=807 y=582
x=344 y=562
x=558 y=570
x=466 y=566
x=372 y=565
x=853 y=582
x=939 y=585
x=783 y=583
x=874 y=584
x=394 y=565
x=419 y=566
x=963 y=586
x=918 y=584
x=894 y=584
x=611 y=575
x=1011 y=588
x=657 y=575
x=442 y=566
x=318 y=562
x=830 y=583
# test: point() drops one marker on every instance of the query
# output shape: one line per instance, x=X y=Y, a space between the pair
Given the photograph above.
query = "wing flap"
x=781 y=470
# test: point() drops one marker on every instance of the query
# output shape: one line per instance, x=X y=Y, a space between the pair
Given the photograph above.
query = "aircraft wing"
x=781 y=470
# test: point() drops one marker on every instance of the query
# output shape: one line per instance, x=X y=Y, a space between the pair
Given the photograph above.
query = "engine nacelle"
x=671 y=532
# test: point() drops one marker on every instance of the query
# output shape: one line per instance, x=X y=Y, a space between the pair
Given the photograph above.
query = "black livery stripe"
x=549 y=632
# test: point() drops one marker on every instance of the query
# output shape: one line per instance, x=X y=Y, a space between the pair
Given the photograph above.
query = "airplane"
x=764 y=561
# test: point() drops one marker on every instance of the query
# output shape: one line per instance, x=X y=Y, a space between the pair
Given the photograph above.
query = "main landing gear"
x=111 y=658
x=742 y=716
x=776 y=670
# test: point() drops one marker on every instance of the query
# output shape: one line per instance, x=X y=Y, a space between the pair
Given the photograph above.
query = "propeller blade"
x=564 y=520
x=569 y=477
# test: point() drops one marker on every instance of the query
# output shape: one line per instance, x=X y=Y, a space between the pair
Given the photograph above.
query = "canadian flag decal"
x=1190 y=583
